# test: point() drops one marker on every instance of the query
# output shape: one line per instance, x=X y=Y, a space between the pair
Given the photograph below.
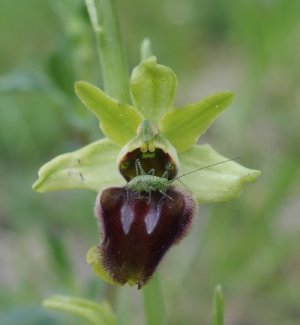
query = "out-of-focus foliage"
x=250 y=245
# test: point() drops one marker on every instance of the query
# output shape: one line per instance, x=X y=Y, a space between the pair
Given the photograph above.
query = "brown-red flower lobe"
x=137 y=231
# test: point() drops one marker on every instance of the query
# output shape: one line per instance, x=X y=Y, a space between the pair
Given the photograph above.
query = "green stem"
x=218 y=307
x=112 y=57
x=154 y=307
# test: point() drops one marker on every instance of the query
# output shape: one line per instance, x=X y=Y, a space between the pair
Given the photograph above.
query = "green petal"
x=92 y=167
x=183 y=126
x=95 y=313
x=119 y=122
x=153 y=88
x=214 y=184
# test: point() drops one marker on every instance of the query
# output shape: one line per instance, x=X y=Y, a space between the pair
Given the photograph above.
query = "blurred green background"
x=250 y=246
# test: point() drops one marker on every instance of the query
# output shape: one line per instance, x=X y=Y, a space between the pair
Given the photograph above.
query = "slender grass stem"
x=112 y=56
x=218 y=307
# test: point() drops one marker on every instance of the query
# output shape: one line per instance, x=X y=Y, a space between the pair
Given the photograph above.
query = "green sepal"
x=95 y=313
x=219 y=183
x=92 y=167
x=118 y=121
x=153 y=88
x=183 y=126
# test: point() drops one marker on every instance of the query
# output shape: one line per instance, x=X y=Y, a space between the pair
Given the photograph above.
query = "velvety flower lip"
x=137 y=232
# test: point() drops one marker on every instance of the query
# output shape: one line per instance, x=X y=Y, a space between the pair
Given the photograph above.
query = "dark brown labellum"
x=137 y=231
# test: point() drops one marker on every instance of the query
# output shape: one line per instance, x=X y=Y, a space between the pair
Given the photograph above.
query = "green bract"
x=152 y=86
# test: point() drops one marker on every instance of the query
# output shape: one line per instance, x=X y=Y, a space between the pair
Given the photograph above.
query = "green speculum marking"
x=146 y=155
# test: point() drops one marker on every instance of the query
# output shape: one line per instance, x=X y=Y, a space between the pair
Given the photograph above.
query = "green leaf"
x=118 y=122
x=97 y=314
x=92 y=167
x=153 y=88
x=217 y=183
x=183 y=126
x=218 y=307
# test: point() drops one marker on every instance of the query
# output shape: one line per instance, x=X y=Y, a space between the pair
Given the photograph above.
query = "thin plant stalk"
x=111 y=52
x=154 y=307
x=218 y=307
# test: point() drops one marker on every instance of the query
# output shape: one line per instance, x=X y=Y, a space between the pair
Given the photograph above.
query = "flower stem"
x=112 y=57
x=218 y=307
x=154 y=307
